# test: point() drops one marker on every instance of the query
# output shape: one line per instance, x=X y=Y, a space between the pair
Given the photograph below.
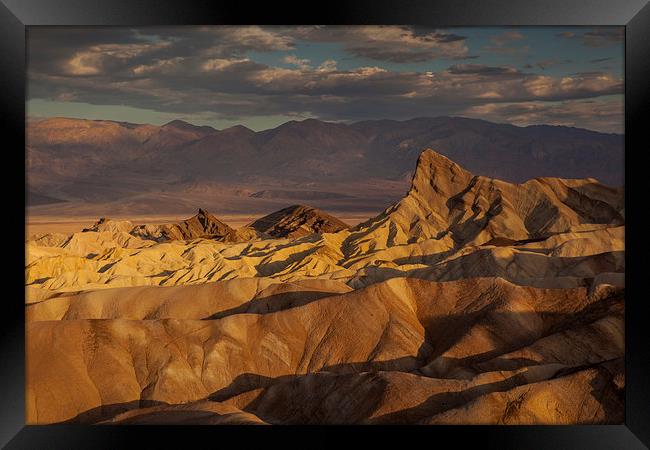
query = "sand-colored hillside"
x=473 y=336
x=451 y=225
x=471 y=300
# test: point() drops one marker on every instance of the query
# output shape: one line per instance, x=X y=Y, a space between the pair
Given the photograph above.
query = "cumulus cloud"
x=301 y=63
x=328 y=65
x=221 y=64
x=209 y=72
x=96 y=51
x=217 y=83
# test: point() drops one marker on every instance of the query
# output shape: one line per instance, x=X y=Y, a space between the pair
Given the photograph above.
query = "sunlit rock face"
x=470 y=301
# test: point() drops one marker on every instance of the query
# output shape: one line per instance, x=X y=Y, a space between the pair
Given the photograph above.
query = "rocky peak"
x=297 y=220
x=106 y=224
x=436 y=174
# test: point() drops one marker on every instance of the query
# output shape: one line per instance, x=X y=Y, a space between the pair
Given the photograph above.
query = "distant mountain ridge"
x=98 y=161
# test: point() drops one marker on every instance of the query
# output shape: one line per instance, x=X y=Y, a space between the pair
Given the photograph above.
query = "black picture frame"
x=16 y=15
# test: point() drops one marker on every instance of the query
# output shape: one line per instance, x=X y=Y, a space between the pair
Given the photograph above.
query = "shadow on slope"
x=273 y=303
x=509 y=330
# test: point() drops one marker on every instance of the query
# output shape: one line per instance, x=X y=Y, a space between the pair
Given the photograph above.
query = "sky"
x=261 y=77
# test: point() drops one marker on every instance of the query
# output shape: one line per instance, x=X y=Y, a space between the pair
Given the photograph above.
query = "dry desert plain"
x=469 y=301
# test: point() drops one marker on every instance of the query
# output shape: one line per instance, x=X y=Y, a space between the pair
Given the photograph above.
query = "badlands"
x=470 y=301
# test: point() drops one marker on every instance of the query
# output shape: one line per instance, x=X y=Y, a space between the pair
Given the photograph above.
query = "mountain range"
x=88 y=167
x=471 y=300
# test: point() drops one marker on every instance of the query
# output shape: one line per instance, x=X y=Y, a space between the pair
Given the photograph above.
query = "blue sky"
x=263 y=76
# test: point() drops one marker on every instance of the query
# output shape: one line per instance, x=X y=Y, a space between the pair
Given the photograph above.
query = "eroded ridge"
x=472 y=300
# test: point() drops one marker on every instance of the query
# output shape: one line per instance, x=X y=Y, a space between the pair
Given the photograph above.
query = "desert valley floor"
x=469 y=301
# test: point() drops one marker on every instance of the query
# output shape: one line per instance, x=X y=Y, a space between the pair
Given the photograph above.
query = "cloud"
x=254 y=37
x=96 y=51
x=600 y=60
x=160 y=66
x=295 y=61
x=397 y=44
x=604 y=115
x=546 y=63
x=210 y=72
x=597 y=37
x=603 y=37
x=222 y=64
x=328 y=65
x=507 y=37
x=239 y=87
x=566 y=34
x=106 y=57
x=480 y=69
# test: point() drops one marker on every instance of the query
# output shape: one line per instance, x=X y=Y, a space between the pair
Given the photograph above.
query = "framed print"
x=412 y=218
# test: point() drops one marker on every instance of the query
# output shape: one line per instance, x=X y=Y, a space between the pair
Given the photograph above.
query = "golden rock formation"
x=471 y=300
